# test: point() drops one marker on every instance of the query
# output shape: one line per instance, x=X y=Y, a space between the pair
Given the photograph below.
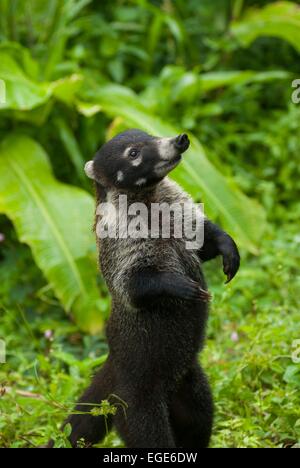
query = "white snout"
x=166 y=148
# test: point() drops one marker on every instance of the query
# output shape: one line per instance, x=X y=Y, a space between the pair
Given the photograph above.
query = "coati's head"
x=134 y=160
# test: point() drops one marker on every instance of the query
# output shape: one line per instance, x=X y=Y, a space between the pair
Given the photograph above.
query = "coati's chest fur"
x=120 y=257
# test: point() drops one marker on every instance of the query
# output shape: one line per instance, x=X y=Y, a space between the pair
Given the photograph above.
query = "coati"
x=159 y=307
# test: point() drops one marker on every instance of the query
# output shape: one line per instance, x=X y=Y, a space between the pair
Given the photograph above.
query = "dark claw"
x=205 y=295
x=201 y=293
x=229 y=278
x=231 y=266
x=194 y=292
x=228 y=272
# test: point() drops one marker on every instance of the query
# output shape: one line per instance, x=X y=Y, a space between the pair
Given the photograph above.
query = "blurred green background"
x=76 y=73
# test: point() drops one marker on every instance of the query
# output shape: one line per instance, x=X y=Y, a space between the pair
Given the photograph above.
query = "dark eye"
x=133 y=153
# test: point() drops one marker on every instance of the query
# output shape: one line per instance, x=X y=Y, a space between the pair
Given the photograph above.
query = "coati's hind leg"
x=145 y=423
x=191 y=410
x=85 y=426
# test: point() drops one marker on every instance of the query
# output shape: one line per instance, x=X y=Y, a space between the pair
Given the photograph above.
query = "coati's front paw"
x=231 y=258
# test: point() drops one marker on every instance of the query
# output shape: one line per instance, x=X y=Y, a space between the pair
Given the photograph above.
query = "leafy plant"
x=23 y=93
x=178 y=66
x=52 y=219
x=279 y=19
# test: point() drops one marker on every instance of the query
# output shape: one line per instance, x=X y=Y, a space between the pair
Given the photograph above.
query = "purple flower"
x=234 y=337
x=2 y=237
x=48 y=335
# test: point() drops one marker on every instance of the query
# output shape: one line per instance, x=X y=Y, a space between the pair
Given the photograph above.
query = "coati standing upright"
x=159 y=306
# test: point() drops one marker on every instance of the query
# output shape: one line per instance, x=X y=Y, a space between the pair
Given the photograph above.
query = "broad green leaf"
x=243 y=217
x=215 y=80
x=280 y=19
x=22 y=93
x=193 y=85
x=55 y=220
x=175 y=84
x=22 y=56
x=66 y=88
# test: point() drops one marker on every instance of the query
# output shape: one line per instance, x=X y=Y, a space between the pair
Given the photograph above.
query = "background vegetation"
x=77 y=72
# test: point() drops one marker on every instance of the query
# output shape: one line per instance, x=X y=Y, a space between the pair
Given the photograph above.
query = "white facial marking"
x=89 y=169
x=136 y=162
x=141 y=181
x=120 y=176
x=166 y=148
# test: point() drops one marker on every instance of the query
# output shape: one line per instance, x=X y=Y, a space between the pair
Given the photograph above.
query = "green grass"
x=252 y=325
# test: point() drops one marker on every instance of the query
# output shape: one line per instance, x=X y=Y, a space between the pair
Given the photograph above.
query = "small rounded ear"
x=89 y=169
